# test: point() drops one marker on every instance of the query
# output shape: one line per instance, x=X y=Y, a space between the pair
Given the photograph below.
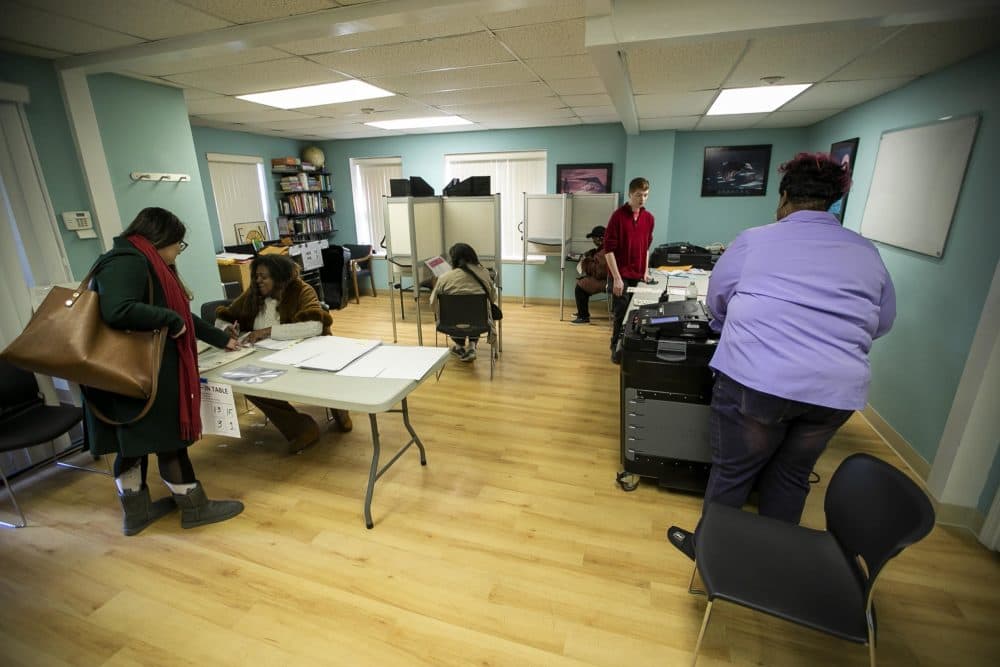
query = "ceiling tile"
x=554 y=10
x=677 y=123
x=220 y=104
x=563 y=67
x=487 y=115
x=148 y=19
x=8 y=46
x=258 y=77
x=588 y=112
x=191 y=94
x=396 y=59
x=734 y=122
x=578 y=101
x=536 y=104
x=682 y=67
x=303 y=124
x=664 y=105
x=602 y=118
x=260 y=115
x=59 y=33
x=396 y=103
x=519 y=123
x=189 y=61
x=522 y=91
x=457 y=79
x=250 y=11
x=842 y=94
x=919 y=49
x=542 y=40
x=803 y=57
x=358 y=40
x=796 y=118
x=592 y=86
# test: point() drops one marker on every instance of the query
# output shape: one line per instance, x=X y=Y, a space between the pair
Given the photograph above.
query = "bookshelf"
x=305 y=200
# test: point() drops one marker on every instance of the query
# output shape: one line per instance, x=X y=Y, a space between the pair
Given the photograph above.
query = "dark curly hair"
x=283 y=270
x=813 y=181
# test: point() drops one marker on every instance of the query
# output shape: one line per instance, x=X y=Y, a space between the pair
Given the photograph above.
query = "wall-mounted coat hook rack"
x=159 y=178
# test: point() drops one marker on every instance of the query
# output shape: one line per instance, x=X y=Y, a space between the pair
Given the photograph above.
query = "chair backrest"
x=463 y=314
x=207 y=311
x=18 y=389
x=875 y=511
x=359 y=251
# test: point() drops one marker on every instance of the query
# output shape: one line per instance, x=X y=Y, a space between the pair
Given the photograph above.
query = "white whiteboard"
x=918 y=176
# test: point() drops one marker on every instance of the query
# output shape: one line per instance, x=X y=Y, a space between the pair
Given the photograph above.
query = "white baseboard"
x=946 y=513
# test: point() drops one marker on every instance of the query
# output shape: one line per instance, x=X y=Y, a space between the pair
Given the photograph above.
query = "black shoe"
x=682 y=539
x=616 y=357
x=581 y=320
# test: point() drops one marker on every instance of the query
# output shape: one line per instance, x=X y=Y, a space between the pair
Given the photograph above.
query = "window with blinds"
x=239 y=190
x=511 y=174
x=369 y=186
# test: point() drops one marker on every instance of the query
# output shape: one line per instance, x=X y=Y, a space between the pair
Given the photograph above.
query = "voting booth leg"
x=375 y=472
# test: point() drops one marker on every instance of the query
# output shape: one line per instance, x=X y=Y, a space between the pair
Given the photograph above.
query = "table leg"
x=374 y=471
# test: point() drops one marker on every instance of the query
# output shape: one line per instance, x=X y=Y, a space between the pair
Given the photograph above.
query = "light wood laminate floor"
x=513 y=547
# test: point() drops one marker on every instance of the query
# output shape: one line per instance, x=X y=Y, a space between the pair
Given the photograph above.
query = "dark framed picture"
x=844 y=153
x=735 y=171
x=583 y=178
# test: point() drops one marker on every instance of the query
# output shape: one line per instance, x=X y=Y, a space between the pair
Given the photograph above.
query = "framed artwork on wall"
x=844 y=153
x=583 y=178
x=735 y=171
x=248 y=232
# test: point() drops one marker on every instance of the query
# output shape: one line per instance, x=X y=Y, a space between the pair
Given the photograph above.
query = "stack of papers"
x=327 y=353
x=214 y=357
x=397 y=362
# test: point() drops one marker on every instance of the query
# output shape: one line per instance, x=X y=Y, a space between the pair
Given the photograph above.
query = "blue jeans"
x=765 y=441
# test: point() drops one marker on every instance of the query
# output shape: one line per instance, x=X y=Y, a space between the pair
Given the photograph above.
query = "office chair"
x=466 y=315
x=25 y=420
x=820 y=579
x=361 y=267
x=208 y=308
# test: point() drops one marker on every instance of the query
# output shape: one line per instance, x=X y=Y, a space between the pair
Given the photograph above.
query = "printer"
x=673 y=319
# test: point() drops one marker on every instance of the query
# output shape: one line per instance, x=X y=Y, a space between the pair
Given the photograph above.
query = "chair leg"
x=354 y=279
x=10 y=492
x=691 y=589
x=701 y=634
x=371 y=277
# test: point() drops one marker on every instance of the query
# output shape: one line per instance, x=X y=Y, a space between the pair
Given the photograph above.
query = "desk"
x=329 y=390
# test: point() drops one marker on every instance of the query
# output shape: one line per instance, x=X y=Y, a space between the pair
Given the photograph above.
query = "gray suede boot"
x=198 y=510
x=140 y=510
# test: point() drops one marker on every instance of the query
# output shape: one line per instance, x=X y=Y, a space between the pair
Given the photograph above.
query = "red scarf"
x=177 y=301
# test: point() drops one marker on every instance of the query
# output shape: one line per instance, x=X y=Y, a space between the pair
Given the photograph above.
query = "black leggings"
x=175 y=466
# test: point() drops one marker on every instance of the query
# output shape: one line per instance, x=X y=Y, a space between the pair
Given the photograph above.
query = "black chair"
x=463 y=315
x=820 y=579
x=207 y=311
x=335 y=275
x=25 y=420
x=361 y=267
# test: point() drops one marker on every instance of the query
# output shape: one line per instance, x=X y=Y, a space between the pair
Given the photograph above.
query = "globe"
x=314 y=154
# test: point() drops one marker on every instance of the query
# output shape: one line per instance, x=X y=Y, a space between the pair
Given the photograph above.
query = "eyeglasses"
x=184 y=246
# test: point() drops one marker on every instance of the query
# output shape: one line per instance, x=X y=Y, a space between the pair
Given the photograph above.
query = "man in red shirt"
x=627 y=239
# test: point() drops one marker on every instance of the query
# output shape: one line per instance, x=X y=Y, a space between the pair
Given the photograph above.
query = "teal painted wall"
x=705 y=220
x=53 y=141
x=145 y=127
x=991 y=486
x=211 y=140
x=423 y=155
x=651 y=155
x=917 y=367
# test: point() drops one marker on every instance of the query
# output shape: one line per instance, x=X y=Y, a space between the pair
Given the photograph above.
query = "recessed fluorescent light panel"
x=759 y=99
x=415 y=123
x=314 y=96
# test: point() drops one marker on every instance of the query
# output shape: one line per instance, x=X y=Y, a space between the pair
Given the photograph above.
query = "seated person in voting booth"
x=282 y=306
x=798 y=303
x=467 y=276
x=593 y=269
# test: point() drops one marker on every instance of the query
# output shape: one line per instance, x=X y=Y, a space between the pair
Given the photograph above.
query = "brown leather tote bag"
x=67 y=338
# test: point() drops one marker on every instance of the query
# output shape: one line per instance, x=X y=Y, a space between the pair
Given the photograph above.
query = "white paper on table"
x=272 y=344
x=218 y=410
x=215 y=357
x=680 y=281
x=394 y=362
x=296 y=354
x=326 y=353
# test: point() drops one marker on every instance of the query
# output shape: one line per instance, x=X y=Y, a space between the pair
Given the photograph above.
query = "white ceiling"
x=647 y=64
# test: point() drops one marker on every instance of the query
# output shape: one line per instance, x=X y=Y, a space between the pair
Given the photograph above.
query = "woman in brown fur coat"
x=282 y=306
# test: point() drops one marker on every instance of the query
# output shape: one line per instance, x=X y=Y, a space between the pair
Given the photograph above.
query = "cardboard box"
x=236 y=272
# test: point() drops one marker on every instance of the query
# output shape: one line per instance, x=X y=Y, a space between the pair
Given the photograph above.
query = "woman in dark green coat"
x=146 y=250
